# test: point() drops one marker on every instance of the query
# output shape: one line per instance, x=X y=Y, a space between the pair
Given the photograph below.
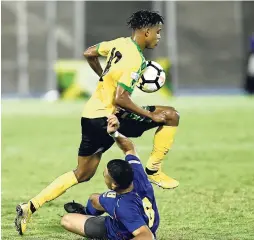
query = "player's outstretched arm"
x=125 y=144
x=91 y=56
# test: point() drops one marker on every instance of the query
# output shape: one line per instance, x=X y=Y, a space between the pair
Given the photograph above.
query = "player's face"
x=108 y=180
x=153 y=36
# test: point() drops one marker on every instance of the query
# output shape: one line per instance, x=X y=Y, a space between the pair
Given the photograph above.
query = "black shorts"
x=94 y=136
x=95 y=228
x=94 y=131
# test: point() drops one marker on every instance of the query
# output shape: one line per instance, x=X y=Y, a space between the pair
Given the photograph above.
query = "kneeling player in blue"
x=130 y=204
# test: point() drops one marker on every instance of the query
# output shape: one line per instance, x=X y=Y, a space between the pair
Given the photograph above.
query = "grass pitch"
x=212 y=157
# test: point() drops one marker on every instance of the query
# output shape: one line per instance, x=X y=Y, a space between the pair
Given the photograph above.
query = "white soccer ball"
x=51 y=96
x=153 y=77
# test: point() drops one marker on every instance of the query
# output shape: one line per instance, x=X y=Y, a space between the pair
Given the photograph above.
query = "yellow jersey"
x=125 y=63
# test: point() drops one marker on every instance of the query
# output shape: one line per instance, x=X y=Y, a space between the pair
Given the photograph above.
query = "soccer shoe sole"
x=73 y=207
x=18 y=219
x=159 y=185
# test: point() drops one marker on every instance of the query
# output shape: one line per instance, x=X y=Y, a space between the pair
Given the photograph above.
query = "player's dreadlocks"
x=144 y=18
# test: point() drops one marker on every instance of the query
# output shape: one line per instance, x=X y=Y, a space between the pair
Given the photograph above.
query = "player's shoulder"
x=107 y=197
x=132 y=159
x=136 y=165
x=113 y=43
x=130 y=46
x=131 y=52
x=109 y=194
x=128 y=198
x=119 y=41
x=128 y=201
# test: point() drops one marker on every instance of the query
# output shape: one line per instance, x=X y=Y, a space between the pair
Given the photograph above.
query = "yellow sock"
x=163 y=141
x=55 y=189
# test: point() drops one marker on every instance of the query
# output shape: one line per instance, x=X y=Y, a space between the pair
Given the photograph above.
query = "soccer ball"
x=153 y=77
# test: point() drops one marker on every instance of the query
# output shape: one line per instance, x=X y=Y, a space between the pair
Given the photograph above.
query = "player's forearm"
x=95 y=65
x=124 y=101
x=124 y=144
x=91 y=56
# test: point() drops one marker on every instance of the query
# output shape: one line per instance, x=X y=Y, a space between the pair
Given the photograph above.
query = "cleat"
x=162 y=180
x=22 y=218
x=73 y=207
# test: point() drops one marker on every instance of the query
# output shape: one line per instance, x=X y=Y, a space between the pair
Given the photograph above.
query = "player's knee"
x=83 y=175
x=65 y=221
x=172 y=116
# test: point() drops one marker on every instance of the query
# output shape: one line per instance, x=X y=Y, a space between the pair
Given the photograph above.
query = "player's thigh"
x=132 y=128
x=75 y=223
x=94 y=136
x=95 y=228
x=133 y=125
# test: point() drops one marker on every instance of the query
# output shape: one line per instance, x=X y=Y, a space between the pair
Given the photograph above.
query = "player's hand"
x=113 y=124
x=159 y=117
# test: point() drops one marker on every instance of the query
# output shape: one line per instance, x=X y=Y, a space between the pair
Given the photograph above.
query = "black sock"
x=150 y=172
x=32 y=208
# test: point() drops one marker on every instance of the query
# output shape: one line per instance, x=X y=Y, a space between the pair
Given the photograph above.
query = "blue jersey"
x=129 y=211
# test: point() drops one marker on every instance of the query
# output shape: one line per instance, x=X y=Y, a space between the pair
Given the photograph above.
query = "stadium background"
x=214 y=35
x=212 y=157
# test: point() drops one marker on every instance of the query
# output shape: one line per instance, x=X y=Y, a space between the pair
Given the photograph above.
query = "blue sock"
x=91 y=210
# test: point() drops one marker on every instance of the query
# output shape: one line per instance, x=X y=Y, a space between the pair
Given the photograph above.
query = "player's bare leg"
x=163 y=141
x=75 y=223
x=85 y=170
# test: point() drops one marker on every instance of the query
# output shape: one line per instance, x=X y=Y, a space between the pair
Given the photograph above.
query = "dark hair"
x=144 y=18
x=121 y=172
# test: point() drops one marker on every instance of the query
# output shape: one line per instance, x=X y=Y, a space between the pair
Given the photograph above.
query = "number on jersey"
x=114 y=55
x=148 y=211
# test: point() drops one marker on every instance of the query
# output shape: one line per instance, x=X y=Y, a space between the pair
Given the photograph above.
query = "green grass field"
x=212 y=157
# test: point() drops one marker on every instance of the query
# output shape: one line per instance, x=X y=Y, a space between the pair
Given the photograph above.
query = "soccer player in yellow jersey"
x=125 y=63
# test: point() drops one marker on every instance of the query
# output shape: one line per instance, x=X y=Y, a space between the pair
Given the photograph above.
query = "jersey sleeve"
x=107 y=201
x=104 y=48
x=136 y=165
x=141 y=182
x=130 y=217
